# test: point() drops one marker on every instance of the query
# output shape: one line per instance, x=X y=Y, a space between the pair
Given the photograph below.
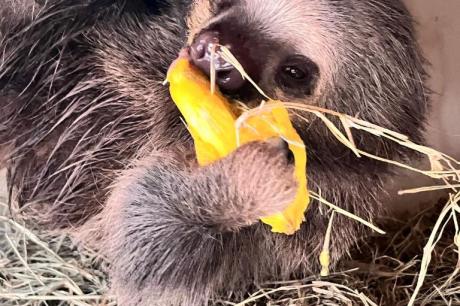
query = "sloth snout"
x=201 y=51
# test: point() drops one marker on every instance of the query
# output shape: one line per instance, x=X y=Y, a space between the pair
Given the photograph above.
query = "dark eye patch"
x=297 y=76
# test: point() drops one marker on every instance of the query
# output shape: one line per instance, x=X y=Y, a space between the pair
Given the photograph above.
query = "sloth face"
x=356 y=57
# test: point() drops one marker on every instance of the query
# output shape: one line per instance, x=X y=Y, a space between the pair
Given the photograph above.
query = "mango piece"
x=212 y=122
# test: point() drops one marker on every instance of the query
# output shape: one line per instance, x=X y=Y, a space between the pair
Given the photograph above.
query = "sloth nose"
x=201 y=52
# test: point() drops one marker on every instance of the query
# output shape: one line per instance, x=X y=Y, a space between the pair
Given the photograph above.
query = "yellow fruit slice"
x=212 y=122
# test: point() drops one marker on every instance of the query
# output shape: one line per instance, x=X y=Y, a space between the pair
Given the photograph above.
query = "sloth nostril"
x=227 y=77
x=198 y=51
x=202 y=45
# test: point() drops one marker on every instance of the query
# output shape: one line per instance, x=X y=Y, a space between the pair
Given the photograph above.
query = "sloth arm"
x=161 y=212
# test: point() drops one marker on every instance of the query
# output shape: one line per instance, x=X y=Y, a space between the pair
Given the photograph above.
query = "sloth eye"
x=294 y=72
x=297 y=75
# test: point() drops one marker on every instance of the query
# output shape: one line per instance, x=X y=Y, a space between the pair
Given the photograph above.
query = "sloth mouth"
x=209 y=60
x=227 y=78
x=218 y=55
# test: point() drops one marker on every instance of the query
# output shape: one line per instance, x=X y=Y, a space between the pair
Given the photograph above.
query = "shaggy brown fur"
x=94 y=145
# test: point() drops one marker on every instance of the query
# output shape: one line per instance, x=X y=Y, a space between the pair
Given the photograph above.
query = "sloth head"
x=355 y=57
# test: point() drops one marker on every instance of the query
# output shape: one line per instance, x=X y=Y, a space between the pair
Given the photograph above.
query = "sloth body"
x=94 y=145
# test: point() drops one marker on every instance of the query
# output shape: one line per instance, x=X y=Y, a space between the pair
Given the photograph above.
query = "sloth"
x=95 y=147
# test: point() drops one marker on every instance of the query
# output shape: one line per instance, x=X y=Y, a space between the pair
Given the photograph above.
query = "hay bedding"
x=39 y=268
